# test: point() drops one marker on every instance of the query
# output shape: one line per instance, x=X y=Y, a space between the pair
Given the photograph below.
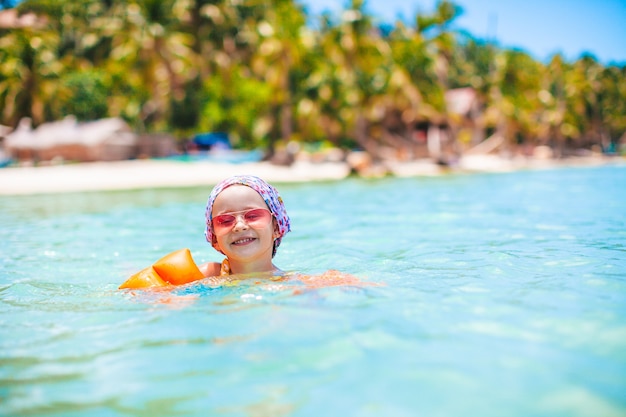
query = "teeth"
x=246 y=240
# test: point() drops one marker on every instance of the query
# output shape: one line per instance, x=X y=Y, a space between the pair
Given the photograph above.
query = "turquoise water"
x=502 y=295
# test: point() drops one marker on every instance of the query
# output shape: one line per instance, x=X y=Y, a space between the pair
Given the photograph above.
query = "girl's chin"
x=251 y=252
x=249 y=249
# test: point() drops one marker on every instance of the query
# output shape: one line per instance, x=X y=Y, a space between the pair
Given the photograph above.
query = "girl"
x=246 y=221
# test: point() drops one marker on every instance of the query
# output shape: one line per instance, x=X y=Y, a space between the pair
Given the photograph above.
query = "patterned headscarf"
x=266 y=191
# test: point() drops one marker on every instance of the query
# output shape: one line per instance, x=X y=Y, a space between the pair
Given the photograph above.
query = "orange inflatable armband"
x=145 y=278
x=176 y=268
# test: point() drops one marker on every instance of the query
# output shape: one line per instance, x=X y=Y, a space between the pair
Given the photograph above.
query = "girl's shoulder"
x=210 y=269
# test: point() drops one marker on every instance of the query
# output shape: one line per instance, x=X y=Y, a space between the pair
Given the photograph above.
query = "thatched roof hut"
x=101 y=140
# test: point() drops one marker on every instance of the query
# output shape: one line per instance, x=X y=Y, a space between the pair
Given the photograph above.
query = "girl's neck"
x=237 y=268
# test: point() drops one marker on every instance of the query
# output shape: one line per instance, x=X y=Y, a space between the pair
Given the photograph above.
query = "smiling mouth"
x=243 y=241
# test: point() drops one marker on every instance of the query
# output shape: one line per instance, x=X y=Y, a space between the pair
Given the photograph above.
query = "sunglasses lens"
x=257 y=216
x=224 y=221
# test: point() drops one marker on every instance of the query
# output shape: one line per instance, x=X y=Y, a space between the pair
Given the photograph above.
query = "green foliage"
x=238 y=107
x=84 y=95
x=256 y=70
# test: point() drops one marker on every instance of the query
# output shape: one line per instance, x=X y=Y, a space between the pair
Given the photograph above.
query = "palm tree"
x=278 y=61
x=29 y=70
x=550 y=121
x=425 y=53
x=588 y=98
x=613 y=105
x=152 y=56
x=355 y=76
x=471 y=66
x=234 y=98
x=442 y=43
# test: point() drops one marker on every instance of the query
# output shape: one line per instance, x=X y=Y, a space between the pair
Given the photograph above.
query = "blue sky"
x=541 y=27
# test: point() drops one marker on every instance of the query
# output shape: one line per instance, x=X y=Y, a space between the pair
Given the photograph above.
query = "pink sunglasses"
x=256 y=218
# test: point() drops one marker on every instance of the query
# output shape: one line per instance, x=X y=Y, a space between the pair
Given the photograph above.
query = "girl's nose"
x=240 y=223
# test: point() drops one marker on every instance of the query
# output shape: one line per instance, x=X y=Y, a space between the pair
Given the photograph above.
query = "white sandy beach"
x=138 y=174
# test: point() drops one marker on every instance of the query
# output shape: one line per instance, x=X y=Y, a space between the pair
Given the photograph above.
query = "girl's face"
x=248 y=240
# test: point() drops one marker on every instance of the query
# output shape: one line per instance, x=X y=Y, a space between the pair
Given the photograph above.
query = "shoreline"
x=150 y=173
x=144 y=174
